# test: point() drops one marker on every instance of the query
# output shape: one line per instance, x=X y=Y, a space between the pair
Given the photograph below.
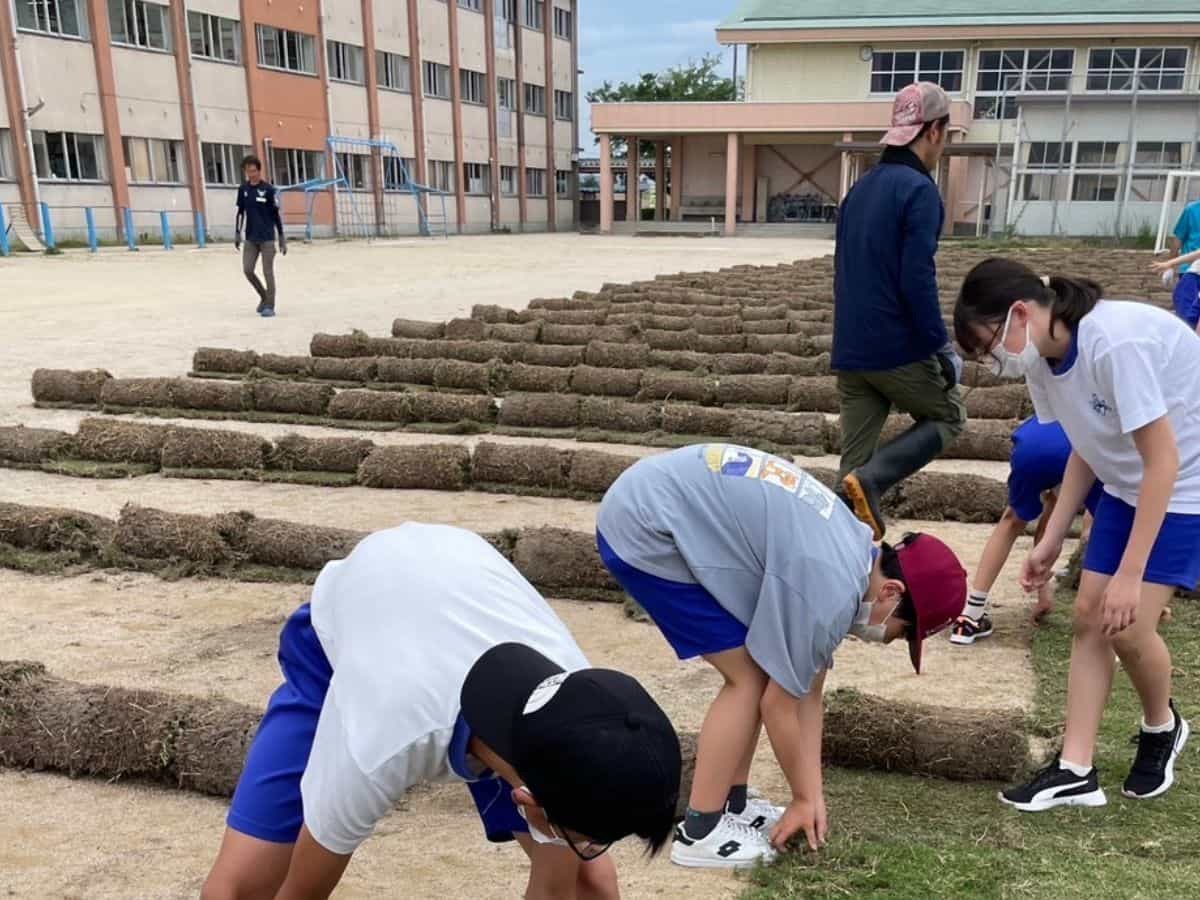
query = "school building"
x=150 y=106
x=1066 y=114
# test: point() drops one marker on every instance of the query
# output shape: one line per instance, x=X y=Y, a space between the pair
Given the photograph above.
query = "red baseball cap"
x=915 y=106
x=937 y=584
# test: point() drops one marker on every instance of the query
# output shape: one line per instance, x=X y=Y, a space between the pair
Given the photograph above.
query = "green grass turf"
x=901 y=837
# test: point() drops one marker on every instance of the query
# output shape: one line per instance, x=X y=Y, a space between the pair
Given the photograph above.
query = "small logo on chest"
x=1100 y=406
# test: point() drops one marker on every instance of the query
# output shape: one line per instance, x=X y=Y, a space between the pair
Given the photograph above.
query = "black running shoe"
x=1153 y=769
x=1055 y=786
x=967 y=631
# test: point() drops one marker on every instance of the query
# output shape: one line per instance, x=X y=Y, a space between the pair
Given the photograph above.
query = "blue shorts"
x=267 y=803
x=1187 y=297
x=1174 y=559
x=690 y=618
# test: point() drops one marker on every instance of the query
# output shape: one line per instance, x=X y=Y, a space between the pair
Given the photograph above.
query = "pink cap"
x=937 y=583
x=916 y=105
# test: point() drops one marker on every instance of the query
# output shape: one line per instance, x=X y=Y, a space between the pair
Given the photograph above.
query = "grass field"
x=899 y=837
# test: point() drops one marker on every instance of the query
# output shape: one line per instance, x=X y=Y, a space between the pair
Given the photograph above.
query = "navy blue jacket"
x=259 y=204
x=886 y=309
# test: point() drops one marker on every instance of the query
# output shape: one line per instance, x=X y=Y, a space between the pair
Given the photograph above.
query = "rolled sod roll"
x=684 y=360
x=396 y=348
x=703 y=421
x=762 y=390
x=185 y=742
x=934 y=496
x=673 y=310
x=555 y=558
x=480 y=351
x=739 y=364
x=552 y=303
x=617 y=356
x=292 y=397
x=658 y=339
x=452 y=374
x=359 y=369
x=490 y=313
x=809 y=315
x=765 y=326
x=83 y=386
x=785 y=364
x=108 y=440
x=230 y=362
x=605 y=382
x=594 y=471
x=371 y=406
x=633 y=307
x=433 y=467
x=153 y=534
x=980 y=375
x=271 y=542
x=148 y=393
x=340 y=345
x=465 y=330
x=620 y=416
x=449 y=409
x=1009 y=402
x=19 y=444
x=405 y=371
x=820 y=343
x=818 y=394
x=204 y=448
x=624 y=318
x=676 y=386
x=53 y=530
x=562 y=355
x=568 y=334
x=524 y=465
x=564 y=316
x=204 y=393
x=764 y=313
x=540 y=411
x=721 y=343
x=794 y=344
x=412 y=328
x=539 y=379
x=788 y=429
x=296 y=453
x=527 y=333
x=278 y=364
x=984 y=439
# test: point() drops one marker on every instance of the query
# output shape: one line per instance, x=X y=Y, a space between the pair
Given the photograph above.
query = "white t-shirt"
x=1135 y=364
x=402 y=620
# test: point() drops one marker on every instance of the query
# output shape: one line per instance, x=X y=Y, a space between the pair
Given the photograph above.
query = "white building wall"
x=342 y=21
x=391 y=26
x=222 y=110
x=63 y=74
x=349 y=105
x=148 y=94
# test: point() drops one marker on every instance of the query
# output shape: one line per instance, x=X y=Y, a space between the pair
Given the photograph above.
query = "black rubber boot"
x=891 y=464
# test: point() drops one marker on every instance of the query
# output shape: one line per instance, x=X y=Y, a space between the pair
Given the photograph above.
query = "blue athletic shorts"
x=1187 y=297
x=1174 y=559
x=267 y=804
x=690 y=618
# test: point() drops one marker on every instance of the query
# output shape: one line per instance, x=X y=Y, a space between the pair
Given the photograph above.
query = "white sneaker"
x=760 y=814
x=731 y=845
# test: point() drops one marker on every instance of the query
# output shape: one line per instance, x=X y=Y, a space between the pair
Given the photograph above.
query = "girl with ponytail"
x=1119 y=377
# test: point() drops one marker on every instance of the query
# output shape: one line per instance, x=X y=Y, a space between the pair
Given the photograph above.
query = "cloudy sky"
x=619 y=39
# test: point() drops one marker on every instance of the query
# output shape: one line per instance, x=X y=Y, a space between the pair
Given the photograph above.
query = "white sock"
x=976 y=605
x=1073 y=768
x=1159 y=729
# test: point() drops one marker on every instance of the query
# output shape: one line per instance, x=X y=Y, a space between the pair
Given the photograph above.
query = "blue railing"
x=123 y=224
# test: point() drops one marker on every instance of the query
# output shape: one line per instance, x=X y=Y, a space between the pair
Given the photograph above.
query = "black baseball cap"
x=598 y=754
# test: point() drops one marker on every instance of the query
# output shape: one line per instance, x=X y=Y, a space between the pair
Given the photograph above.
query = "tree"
x=697 y=81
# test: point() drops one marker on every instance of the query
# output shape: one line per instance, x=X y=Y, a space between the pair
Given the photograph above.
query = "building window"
x=396 y=171
x=507 y=9
x=1055 y=159
x=1092 y=182
x=138 y=23
x=508 y=181
x=437 y=80
x=153 y=161
x=535 y=182
x=474 y=86
x=345 y=62
x=893 y=70
x=62 y=17
x=477 y=178
x=6 y=167
x=394 y=73
x=562 y=183
x=356 y=169
x=475 y=5
x=214 y=37
x=1156 y=68
x=1003 y=73
x=290 y=167
x=564 y=106
x=506 y=88
x=288 y=50
x=563 y=26
x=68 y=156
x=441 y=175
x=1152 y=160
x=535 y=14
x=223 y=163
x=535 y=99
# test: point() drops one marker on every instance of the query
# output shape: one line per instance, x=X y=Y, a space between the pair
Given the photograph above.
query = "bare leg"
x=247 y=868
x=997 y=549
x=1090 y=678
x=1145 y=657
x=730 y=730
x=558 y=872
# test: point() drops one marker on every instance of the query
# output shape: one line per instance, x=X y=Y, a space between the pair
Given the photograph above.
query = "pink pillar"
x=633 y=180
x=731 y=183
x=660 y=180
x=606 y=185
x=749 y=178
x=677 y=178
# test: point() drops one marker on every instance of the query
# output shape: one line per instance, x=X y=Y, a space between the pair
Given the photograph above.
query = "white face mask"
x=1014 y=365
x=540 y=837
x=863 y=630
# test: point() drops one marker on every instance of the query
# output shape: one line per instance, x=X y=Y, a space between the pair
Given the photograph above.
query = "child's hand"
x=1163 y=265
x=802 y=815
x=1038 y=567
x=1044 y=605
x=1120 y=603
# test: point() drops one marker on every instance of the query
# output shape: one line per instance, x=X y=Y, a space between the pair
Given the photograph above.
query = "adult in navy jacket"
x=890 y=345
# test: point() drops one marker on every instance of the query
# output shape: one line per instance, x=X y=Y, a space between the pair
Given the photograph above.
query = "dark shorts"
x=1187 y=297
x=689 y=617
x=1174 y=559
x=267 y=803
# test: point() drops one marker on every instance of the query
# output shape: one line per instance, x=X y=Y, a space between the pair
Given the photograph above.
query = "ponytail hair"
x=992 y=287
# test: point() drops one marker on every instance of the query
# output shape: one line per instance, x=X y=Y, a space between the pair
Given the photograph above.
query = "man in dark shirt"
x=258 y=215
x=890 y=345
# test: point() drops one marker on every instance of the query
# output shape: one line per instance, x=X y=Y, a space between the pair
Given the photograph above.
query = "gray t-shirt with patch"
x=772 y=544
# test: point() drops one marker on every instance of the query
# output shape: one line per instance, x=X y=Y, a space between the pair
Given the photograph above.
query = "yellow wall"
x=799 y=72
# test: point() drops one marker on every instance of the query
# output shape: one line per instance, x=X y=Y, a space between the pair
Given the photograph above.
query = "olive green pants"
x=920 y=389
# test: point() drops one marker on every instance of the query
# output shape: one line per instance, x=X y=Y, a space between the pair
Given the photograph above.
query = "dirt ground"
x=143 y=315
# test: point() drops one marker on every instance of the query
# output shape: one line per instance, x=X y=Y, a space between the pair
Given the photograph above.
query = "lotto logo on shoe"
x=728 y=848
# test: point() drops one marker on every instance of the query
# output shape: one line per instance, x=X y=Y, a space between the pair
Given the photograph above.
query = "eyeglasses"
x=585 y=848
